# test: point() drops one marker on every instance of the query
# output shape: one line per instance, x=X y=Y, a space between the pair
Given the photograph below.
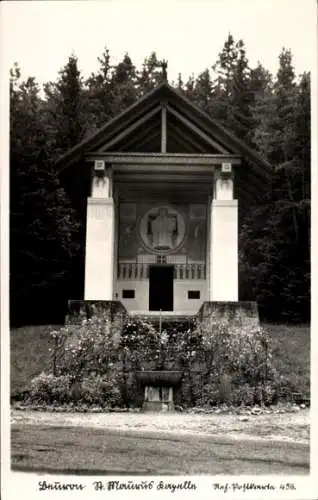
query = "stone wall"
x=113 y=310
x=238 y=314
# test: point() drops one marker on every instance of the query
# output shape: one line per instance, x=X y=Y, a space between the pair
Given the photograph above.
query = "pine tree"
x=64 y=104
x=123 y=85
x=202 y=90
x=153 y=73
x=42 y=222
x=98 y=101
x=231 y=94
x=261 y=108
x=276 y=239
x=189 y=88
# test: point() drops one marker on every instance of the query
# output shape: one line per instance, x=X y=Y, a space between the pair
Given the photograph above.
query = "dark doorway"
x=161 y=288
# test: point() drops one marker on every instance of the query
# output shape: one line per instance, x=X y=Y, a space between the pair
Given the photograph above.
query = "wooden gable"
x=167 y=123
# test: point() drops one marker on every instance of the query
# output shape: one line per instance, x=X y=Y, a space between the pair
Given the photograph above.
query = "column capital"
x=223 y=185
x=102 y=180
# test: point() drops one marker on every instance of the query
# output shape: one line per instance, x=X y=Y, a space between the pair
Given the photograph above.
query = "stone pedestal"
x=223 y=251
x=158 y=386
x=236 y=314
x=158 y=399
x=223 y=239
x=113 y=311
x=99 y=257
x=100 y=237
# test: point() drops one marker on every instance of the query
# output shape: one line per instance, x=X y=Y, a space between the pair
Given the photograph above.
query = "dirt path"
x=100 y=451
x=288 y=427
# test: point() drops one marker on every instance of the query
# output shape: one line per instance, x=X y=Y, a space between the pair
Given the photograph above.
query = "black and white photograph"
x=157 y=229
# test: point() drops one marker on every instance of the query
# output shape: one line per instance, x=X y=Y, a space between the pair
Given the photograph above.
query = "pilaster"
x=223 y=271
x=100 y=236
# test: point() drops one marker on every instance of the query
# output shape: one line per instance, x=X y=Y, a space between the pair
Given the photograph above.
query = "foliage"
x=219 y=363
x=100 y=390
x=83 y=349
x=231 y=365
x=94 y=390
x=43 y=224
x=85 y=366
x=289 y=349
x=141 y=344
x=147 y=348
x=151 y=74
x=278 y=261
x=64 y=108
x=46 y=388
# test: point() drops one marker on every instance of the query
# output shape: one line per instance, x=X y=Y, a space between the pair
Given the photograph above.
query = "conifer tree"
x=202 y=91
x=231 y=95
x=98 y=93
x=42 y=223
x=123 y=85
x=64 y=104
x=153 y=73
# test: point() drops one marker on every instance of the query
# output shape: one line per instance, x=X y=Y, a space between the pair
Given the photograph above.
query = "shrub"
x=100 y=390
x=46 y=388
x=81 y=349
x=287 y=386
x=244 y=354
x=220 y=364
x=234 y=365
x=92 y=390
x=141 y=345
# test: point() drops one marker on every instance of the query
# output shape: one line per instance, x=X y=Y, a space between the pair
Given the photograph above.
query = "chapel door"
x=161 y=288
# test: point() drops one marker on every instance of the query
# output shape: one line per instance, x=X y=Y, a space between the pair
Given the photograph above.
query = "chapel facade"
x=167 y=187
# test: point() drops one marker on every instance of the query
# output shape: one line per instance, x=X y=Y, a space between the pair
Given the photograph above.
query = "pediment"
x=165 y=122
x=164 y=128
x=163 y=112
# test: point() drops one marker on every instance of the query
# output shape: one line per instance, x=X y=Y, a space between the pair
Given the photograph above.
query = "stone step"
x=165 y=319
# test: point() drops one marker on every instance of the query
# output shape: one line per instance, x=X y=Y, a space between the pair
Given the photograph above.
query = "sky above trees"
x=40 y=36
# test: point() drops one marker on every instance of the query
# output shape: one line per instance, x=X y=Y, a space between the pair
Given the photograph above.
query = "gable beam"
x=140 y=141
x=178 y=141
x=167 y=159
x=147 y=140
x=197 y=131
x=187 y=139
x=188 y=145
x=164 y=128
x=221 y=133
x=137 y=138
x=130 y=129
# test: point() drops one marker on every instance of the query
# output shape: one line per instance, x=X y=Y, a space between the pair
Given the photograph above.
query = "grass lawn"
x=74 y=450
x=30 y=353
x=29 y=346
x=291 y=353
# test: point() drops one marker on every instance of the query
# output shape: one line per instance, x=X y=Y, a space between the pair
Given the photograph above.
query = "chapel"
x=163 y=189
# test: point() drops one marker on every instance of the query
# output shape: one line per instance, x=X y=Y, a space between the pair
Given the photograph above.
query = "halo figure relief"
x=162 y=229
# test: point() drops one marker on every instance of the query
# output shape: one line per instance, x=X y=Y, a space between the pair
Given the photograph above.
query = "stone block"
x=113 y=310
x=236 y=314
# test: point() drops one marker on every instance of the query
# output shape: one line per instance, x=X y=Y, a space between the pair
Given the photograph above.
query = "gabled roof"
x=187 y=125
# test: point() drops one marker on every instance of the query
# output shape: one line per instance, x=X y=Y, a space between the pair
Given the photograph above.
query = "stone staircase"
x=167 y=319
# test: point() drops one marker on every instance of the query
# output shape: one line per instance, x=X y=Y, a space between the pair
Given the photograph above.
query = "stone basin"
x=155 y=378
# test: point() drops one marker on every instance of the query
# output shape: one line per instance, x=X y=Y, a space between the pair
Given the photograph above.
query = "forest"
x=269 y=112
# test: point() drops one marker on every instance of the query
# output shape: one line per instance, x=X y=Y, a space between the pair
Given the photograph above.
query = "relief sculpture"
x=162 y=229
